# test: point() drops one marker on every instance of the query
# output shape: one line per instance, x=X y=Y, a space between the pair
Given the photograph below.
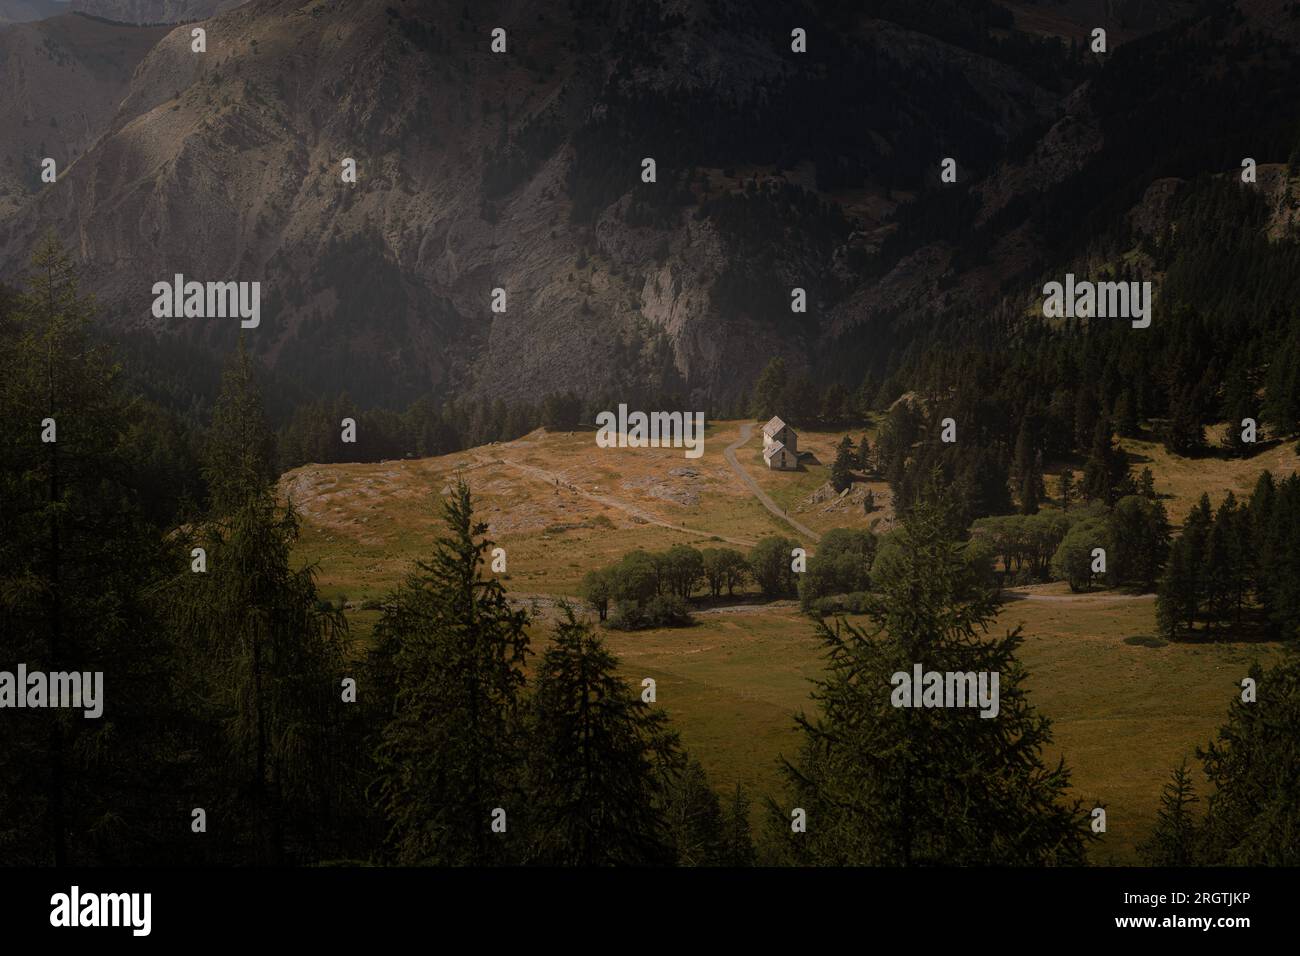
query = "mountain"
x=1123 y=19
x=153 y=11
x=63 y=78
x=522 y=171
x=22 y=11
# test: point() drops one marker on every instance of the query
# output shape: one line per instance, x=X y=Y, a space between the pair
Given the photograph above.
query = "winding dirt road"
x=764 y=498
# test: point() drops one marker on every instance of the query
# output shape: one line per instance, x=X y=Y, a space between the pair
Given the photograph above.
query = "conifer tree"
x=1184 y=434
x=79 y=558
x=695 y=819
x=1196 y=537
x=240 y=450
x=264 y=654
x=450 y=754
x=1222 y=563
x=842 y=467
x=1173 y=841
x=601 y=761
x=738 y=838
x=1146 y=485
x=1240 y=403
x=1029 y=495
x=1140 y=542
x=769 y=390
x=887 y=785
x=1126 y=420
x=1252 y=815
x=1085 y=417
x=1260 y=524
x=865 y=460
x=1065 y=488
x=1107 y=467
x=1182 y=589
x=1023 y=456
x=1176 y=596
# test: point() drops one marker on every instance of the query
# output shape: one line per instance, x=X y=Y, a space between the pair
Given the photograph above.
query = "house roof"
x=772 y=449
x=774 y=426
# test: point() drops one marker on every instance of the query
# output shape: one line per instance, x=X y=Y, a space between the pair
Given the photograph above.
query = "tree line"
x=1236 y=564
x=654 y=588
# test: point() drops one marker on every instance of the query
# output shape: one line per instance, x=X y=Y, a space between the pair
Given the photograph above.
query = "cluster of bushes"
x=839 y=574
x=655 y=588
x=1060 y=546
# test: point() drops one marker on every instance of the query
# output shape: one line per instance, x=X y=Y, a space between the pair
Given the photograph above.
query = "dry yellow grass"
x=1184 y=479
x=556 y=502
x=1124 y=714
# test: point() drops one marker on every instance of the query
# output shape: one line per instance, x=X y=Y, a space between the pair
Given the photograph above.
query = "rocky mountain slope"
x=22 y=11
x=522 y=171
x=153 y=11
x=63 y=79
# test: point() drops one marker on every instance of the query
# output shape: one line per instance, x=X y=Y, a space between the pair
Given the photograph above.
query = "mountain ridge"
x=521 y=171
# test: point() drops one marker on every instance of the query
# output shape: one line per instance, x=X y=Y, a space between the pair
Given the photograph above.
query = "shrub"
x=658 y=611
x=842 y=564
x=769 y=563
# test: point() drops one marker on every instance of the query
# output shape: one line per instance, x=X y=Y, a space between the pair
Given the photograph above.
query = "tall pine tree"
x=452 y=649
x=264 y=655
x=602 y=764
x=887 y=785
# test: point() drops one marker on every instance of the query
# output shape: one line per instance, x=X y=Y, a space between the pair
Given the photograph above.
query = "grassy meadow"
x=1126 y=708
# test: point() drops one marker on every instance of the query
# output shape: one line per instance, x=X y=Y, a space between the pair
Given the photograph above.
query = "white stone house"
x=780 y=446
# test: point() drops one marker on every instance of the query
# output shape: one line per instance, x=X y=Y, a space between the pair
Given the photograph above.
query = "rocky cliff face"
x=523 y=171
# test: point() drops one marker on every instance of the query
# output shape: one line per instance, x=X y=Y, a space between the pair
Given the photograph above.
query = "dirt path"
x=1020 y=594
x=764 y=498
x=551 y=602
x=551 y=478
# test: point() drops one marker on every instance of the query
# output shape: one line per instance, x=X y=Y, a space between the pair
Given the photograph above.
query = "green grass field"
x=1124 y=713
